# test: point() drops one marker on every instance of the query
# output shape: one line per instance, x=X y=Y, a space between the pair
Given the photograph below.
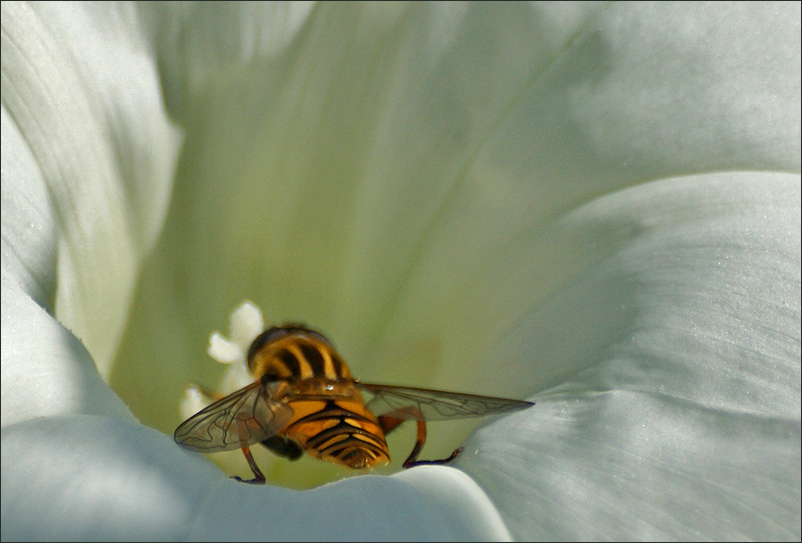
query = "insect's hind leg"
x=390 y=423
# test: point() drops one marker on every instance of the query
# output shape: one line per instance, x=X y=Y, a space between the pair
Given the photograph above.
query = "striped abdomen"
x=339 y=430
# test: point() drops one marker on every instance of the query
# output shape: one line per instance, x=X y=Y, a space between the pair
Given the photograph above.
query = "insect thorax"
x=295 y=353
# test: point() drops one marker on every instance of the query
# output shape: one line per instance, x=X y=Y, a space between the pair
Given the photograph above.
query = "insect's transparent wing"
x=419 y=403
x=247 y=416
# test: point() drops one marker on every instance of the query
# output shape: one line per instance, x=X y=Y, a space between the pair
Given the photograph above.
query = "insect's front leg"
x=259 y=478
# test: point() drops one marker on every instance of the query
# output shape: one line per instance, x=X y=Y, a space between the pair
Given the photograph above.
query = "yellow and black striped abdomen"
x=338 y=430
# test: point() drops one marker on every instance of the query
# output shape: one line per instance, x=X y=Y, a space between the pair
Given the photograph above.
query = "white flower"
x=593 y=206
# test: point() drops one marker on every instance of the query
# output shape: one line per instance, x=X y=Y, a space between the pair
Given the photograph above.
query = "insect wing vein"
x=413 y=403
x=247 y=416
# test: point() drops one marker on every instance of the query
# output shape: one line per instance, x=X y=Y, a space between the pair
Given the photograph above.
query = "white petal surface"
x=46 y=371
x=139 y=486
x=676 y=352
x=200 y=44
x=92 y=152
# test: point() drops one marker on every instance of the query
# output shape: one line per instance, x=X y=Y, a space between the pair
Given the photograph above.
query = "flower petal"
x=669 y=365
x=46 y=371
x=138 y=485
x=83 y=104
x=675 y=352
x=198 y=42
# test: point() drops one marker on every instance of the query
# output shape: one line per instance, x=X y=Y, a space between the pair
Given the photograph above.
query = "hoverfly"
x=305 y=399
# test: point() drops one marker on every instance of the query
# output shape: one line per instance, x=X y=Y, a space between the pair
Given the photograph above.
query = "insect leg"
x=419 y=441
x=259 y=478
x=389 y=423
x=413 y=461
x=451 y=457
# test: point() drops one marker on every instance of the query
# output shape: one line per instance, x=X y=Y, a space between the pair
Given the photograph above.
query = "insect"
x=304 y=398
